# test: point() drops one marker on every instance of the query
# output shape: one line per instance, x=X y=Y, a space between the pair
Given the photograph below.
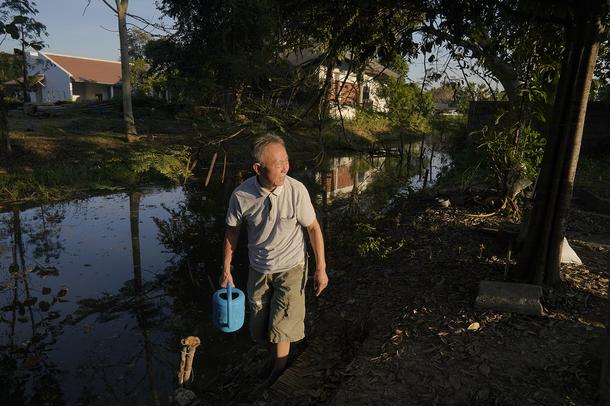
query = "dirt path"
x=404 y=331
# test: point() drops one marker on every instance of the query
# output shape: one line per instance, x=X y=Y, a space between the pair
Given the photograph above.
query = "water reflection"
x=96 y=294
x=81 y=336
x=370 y=181
x=30 y=320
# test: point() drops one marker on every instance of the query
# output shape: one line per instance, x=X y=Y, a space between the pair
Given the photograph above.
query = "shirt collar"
x=264 y=192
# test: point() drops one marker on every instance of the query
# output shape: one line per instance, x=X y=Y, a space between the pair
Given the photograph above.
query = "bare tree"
x=131 y=133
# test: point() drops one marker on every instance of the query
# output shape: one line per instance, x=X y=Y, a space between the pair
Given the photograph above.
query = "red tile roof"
x=87 y=69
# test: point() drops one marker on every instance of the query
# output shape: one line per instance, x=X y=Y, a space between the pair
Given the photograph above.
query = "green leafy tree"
x=144 y=80
x=137 y=39
x=507 y=39
x=223 y=47
x=30 y=32
x=408 y=107
x=17 y=19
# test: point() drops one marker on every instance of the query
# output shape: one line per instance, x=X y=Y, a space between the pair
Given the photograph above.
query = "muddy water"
x=96 y=294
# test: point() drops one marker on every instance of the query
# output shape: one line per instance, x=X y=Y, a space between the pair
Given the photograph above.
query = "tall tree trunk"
x=5 y=141
x=24 y=85
x=540 y=258
x=604 y=384
x=130 y=125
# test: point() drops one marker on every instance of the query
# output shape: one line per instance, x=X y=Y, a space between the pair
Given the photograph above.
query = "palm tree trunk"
x=540 y=258
x=130 y=125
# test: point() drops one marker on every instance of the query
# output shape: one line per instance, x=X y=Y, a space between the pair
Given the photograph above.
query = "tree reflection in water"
x=133 y=354
x=27 y=374
x=122 y=377
x=175 y=304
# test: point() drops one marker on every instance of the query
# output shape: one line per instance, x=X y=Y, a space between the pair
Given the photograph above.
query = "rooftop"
x=88 y=69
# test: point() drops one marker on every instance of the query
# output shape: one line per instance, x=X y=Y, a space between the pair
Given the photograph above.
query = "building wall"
x=57 y=85
x=378 y=103
x=352 y=92
x=90 y=91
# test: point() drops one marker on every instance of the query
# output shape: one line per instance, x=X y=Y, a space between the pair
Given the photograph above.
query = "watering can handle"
x=229 y=297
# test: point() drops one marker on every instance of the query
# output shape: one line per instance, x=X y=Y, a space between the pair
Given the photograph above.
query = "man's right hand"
x=226 y=277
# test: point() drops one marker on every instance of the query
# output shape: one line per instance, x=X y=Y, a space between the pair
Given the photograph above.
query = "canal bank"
x=99 y=291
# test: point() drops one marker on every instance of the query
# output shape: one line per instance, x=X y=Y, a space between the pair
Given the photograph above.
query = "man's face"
x=274 y=168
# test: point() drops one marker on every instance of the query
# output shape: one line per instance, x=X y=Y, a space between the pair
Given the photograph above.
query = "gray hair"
x=261 y=142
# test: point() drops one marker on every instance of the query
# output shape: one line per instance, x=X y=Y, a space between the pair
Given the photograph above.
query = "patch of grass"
x=369 y=125
x=56 y=179
x=336 y=137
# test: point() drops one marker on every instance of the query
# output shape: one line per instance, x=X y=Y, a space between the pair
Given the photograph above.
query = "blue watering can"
x=228 y=309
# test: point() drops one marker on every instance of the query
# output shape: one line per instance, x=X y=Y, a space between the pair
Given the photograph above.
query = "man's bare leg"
x=280 y=353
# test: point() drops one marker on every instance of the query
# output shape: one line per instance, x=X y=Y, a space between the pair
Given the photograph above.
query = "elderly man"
x=275 y=209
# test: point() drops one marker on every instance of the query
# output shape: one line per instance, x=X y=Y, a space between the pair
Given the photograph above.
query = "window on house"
x=99 y=97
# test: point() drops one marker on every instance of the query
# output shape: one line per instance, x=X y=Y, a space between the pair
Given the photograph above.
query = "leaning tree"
x=584 y=22
x=514 y=41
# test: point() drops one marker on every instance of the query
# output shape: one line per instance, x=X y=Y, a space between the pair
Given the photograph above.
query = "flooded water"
x=96 y=294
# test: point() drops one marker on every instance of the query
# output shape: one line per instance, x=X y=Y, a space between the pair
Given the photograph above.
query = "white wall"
x=57 y=84
x=379 y=103
x=348 y=112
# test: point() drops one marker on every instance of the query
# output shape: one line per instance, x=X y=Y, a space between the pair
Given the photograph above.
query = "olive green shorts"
x=277 y=305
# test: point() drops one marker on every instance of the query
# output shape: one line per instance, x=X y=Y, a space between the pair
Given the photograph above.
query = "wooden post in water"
x=409 y=159
x=421 y=156
x=425 y=179
x=431 y=159
x=189 y=346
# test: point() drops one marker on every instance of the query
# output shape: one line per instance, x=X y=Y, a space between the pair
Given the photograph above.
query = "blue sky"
x=72 y=33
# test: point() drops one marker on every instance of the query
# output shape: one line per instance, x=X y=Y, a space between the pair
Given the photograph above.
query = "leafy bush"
x=511 y=156
x=370 y=244
x=173 y=163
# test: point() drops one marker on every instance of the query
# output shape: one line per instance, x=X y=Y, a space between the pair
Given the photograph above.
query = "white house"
x=348 y=92
x=72 y=78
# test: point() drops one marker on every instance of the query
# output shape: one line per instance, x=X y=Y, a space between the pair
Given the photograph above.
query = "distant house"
x=72 y=78
x=444 y=109
x=352 y=92
x=342 y=177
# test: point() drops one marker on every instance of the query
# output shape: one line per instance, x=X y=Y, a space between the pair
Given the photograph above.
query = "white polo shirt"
x=275 y=222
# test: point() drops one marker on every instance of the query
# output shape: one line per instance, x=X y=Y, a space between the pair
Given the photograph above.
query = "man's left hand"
x=320 y=281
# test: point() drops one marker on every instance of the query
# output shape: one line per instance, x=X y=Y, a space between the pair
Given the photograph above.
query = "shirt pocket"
x=287 y=225
x=287 y=214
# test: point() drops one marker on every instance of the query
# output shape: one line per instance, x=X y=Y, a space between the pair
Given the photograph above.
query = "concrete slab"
x=568 y=256
x=520 y=298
